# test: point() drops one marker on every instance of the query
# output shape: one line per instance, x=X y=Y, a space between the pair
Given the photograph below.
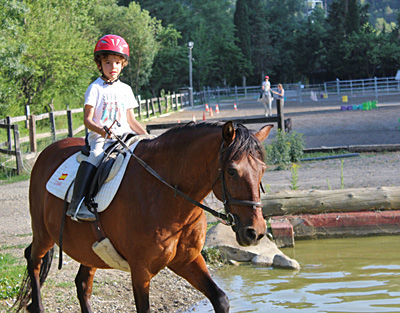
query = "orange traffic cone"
x=234 y=106
x=194 y=118
x=204 y=116
x=207 y=107
x=217 y=109
x=211 y=112
x=179 y=121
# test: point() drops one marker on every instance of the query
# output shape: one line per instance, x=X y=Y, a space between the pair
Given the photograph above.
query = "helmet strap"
x=107 y=81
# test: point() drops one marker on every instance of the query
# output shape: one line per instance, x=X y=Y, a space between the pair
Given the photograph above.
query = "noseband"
x=227 y=199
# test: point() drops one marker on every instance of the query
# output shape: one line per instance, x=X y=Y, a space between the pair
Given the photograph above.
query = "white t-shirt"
x=111 y=102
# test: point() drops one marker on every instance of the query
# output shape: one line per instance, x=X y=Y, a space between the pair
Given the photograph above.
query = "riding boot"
x=83 y=179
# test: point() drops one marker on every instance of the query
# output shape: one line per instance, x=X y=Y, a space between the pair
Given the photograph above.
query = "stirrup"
x=75 y=217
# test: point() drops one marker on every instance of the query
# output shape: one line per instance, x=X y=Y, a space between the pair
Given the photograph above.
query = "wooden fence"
x=279 y=119
x=147 y=108
x=7 y=147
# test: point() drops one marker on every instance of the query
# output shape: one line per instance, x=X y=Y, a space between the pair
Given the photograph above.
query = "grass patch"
x=20 y=246
x=212 y=256
x=11 y=273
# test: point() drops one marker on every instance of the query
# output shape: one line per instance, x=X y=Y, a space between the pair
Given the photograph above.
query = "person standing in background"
x=280 y=94
x=266 y=97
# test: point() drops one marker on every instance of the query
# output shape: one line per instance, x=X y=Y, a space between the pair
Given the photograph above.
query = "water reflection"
x=337 y=275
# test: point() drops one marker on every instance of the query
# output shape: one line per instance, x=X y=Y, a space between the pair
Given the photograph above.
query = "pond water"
x=337 y=275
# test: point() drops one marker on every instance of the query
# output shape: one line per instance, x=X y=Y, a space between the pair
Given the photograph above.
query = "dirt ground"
x=322 y=124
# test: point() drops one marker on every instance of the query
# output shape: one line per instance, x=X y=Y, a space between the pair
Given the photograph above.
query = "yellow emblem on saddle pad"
x=63 y=176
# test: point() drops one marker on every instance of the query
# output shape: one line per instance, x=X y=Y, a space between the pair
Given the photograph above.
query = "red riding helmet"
x=112 y=44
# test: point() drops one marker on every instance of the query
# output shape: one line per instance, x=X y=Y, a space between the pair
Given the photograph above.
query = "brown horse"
x=149 y=225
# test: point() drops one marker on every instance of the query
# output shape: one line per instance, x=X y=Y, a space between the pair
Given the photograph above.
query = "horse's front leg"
x=84 y=283
x=197 y=274
x=141 y=289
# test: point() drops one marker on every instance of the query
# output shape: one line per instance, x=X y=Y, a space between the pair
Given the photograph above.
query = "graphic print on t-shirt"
x=111 y=109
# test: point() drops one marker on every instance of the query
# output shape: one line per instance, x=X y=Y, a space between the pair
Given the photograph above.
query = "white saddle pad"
x=62 y=178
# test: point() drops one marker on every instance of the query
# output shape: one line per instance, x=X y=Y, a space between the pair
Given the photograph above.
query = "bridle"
x=227 y=198
x=227 y=218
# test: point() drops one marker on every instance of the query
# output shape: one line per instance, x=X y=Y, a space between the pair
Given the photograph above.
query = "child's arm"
x=88 y=121
x=134 y=124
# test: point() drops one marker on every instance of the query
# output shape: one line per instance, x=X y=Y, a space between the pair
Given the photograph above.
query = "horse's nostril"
x=251 y=234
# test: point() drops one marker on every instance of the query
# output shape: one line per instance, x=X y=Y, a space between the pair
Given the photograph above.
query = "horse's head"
x=241 y=169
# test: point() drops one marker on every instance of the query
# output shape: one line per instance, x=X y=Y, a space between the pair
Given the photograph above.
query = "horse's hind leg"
x=38 y=268
x=84 y=283
x=197 y=274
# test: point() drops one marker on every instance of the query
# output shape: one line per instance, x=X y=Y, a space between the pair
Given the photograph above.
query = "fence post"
x=338 y=87
x=27 y=113
x=159 y=105
x=32 y=132
x=152 y=106
x=281 y=118
x=17 y=150
x=147 y=108
x=52 y=125
x=376 y=87
x=236 y=94
x=9 y=141
x=363 y=87
x=70 y=126
x=176 y=101
x=300 y=95
x=140 y=106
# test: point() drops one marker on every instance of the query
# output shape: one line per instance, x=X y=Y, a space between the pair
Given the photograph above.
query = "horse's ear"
x=263 y=133
x=228 y=132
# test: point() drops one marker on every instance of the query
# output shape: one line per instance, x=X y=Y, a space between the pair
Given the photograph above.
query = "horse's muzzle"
x=248 y=236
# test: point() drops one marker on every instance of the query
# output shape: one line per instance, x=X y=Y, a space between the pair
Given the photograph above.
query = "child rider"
x=107 y=99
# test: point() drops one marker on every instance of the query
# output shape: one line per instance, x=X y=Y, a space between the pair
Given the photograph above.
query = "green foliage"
x=46 y=46
x=212 y=256
x=295 y=177
x=285 y=149
x=138 y=29
x=10 y=276
x=243 y=34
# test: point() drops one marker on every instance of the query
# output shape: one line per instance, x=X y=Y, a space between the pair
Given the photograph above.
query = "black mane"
x=245 y=143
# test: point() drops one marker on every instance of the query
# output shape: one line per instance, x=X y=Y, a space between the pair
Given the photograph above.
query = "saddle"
x=110 y=164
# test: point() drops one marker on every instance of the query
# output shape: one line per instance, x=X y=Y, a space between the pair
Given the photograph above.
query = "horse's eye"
x=231 y=172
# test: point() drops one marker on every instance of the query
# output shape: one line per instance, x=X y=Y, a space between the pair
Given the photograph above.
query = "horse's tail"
x=25 y=291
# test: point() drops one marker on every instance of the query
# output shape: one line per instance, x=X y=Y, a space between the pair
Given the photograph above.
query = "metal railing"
x=373 y=87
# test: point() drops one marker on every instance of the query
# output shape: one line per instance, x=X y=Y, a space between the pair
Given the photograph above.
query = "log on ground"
x=324 y=201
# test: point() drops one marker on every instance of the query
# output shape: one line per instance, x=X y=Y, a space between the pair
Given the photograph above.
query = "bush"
x=285 y=149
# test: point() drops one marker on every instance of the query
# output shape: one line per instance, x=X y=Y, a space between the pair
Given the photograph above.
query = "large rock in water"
x=265 y=253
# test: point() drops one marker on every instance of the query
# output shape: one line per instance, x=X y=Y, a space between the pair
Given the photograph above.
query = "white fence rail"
x=373 y=87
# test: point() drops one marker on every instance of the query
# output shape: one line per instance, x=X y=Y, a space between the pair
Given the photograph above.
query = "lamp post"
x=190 y=46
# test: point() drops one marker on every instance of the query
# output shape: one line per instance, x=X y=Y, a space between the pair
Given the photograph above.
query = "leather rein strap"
x=227 y=218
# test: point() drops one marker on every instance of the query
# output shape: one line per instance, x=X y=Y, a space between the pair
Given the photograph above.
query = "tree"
x=242 y=33
x=168 y=70
x=310 y=48
x=138 y=29
x=284 y=19
x=344 y=22
x=11 y=66
x=261 y=47
x=52 y=53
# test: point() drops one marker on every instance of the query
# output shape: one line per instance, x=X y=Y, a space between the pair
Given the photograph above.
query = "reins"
x=227 y=218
